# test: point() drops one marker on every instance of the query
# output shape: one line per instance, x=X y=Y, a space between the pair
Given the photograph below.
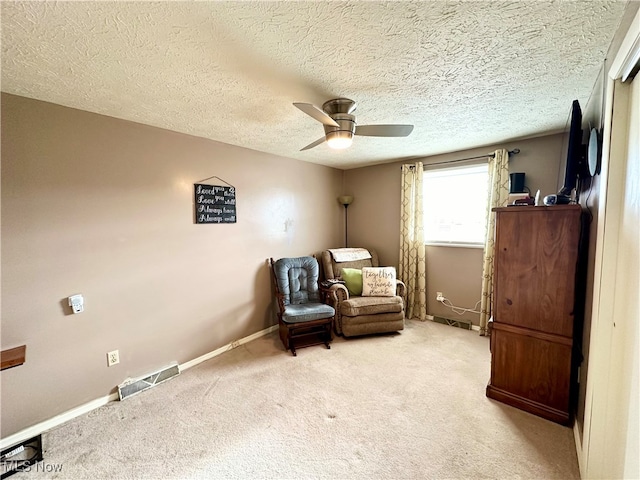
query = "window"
x=455 y=203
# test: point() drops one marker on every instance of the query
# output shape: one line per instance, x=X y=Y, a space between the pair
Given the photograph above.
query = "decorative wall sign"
x=215 y=203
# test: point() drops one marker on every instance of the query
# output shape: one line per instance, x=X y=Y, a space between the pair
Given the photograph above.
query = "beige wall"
x=374 y=218
x=104 y=207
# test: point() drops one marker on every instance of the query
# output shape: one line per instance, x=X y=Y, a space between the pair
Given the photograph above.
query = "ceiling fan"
x=340 y=125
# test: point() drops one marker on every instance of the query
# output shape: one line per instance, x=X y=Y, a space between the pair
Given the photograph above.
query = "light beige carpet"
x=404 y=406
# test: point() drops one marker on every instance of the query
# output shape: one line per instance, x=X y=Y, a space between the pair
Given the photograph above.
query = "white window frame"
x=456 y=195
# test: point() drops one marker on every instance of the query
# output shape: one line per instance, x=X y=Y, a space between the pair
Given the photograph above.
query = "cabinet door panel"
x=531 y=368
x=536 y=258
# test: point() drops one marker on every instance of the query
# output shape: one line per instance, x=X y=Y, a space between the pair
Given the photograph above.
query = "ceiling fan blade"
x=384 y=130
x=314 y=144
x=316 y=113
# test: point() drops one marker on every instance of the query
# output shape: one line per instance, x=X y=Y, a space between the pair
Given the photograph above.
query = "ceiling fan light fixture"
x=339 y=140
x=340 y=124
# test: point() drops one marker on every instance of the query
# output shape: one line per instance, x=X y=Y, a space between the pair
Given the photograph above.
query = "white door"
x=628 y=286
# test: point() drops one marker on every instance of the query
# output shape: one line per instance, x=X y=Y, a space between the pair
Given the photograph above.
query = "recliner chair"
x=360 y=315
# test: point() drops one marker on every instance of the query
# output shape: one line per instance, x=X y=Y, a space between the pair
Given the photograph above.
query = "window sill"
x=455 y=245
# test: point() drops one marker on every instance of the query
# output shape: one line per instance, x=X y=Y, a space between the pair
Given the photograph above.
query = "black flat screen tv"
x=574 y=152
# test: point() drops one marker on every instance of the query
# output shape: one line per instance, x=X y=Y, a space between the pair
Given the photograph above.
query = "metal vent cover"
x=132 y=386
x=460 y=322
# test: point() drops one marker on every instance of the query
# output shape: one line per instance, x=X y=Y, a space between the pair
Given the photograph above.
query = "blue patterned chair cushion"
x=307 y=312
x=297 y=280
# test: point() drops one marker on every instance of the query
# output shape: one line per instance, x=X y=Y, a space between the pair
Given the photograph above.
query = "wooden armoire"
x=536 y=316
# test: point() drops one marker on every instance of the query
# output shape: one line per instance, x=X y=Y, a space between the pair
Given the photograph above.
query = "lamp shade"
x=339 y=139
x=345 y=200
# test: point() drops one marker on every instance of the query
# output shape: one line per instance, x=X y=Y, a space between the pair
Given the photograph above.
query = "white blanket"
x=349 y=254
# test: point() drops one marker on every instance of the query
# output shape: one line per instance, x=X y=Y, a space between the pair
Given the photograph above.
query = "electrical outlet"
x=430 y=317
x=235 y=344
x=113 y=358
x=439 y=296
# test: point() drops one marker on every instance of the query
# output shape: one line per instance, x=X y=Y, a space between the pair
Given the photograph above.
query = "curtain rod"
x=515 y=151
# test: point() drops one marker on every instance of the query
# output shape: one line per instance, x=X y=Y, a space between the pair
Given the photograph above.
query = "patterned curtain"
x=412 y=268
x=498 y=197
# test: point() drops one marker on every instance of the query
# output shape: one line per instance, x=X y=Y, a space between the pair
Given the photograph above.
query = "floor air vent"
x=132 y=386
x=466 y=324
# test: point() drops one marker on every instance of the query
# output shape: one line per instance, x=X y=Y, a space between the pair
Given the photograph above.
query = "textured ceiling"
x=465 y=73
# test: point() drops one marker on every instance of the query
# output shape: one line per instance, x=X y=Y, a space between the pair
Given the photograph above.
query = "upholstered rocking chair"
x=302 y=318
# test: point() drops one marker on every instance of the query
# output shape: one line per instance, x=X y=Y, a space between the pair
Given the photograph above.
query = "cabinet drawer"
x=532 y=367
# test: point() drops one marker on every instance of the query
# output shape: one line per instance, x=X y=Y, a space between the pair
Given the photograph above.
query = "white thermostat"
x=76 y=302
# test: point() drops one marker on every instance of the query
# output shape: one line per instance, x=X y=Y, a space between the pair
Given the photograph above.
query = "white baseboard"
x=53 y=422
x=579 y=449
x=227 y=347
x=38 y=428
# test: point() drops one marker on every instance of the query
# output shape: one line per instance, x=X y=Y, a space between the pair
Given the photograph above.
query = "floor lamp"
x=345 y=201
